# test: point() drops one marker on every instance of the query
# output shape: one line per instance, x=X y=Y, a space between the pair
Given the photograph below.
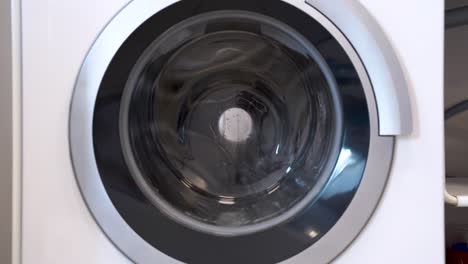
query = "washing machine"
x=246 y=131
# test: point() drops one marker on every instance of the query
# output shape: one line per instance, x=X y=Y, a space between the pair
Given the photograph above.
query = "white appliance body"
x=58 y=227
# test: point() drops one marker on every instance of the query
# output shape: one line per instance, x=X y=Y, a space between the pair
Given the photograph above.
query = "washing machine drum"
x=226 y=132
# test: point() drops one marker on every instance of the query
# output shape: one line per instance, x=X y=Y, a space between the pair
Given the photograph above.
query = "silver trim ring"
x=99 y=203
x=375 y=50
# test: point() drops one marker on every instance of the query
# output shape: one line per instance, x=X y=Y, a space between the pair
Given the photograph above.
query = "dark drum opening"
x=228 y=122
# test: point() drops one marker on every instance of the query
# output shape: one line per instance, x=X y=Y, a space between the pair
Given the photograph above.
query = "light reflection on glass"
x=348 y=165
x=227 y=200
x=346 y=159
x=312 y=233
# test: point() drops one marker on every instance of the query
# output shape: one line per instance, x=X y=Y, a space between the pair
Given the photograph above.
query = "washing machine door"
x=242 y=131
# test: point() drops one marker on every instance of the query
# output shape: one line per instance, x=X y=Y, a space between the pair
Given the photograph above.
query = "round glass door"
x=230 y=121
x=226 y=132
